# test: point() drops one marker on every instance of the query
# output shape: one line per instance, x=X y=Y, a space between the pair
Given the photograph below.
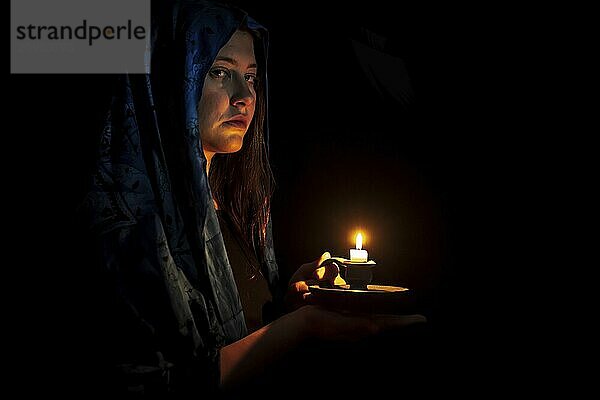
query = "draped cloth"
x=150 y=210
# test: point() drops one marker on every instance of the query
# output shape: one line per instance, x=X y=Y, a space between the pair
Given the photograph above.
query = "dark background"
x=427 y=176
x=415 y=148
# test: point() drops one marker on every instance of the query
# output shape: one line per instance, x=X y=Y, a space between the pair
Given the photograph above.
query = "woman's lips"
x=239 y=121
x=236 y=123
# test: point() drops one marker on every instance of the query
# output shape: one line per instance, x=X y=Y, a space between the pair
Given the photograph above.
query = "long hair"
x=242 y=183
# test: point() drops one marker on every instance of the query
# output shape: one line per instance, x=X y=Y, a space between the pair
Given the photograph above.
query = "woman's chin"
x=234 y=143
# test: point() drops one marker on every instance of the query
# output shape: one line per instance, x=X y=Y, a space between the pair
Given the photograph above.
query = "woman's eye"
x=219 y=73
x=251 y=78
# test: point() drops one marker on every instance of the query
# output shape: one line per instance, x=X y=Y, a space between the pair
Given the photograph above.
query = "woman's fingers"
x=338 y=281
x=329 y=324
x=329 y=272
x=300 y=287
x=310 y=274
x=325 y=256
x=306 y=271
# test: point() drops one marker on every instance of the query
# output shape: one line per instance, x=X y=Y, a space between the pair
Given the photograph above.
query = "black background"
x=433 y=183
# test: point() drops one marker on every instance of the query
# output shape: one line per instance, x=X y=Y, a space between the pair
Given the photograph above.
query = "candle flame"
x=359 y=240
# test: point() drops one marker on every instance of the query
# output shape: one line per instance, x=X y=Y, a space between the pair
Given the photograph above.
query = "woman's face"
x=228 y=98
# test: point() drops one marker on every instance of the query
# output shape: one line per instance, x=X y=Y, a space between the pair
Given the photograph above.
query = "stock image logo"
x=79 y=36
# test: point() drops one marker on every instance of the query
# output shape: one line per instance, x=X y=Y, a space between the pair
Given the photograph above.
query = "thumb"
x=324 y=256
x=327 y=269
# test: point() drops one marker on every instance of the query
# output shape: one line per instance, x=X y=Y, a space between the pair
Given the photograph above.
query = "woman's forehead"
x=240 y=48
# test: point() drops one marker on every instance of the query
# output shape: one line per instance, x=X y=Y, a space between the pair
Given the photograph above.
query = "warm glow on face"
x=359 y=240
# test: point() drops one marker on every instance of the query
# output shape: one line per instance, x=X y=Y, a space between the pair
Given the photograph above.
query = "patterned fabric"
x=150 y=210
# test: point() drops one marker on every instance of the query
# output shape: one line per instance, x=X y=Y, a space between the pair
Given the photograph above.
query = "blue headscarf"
x=150 y=206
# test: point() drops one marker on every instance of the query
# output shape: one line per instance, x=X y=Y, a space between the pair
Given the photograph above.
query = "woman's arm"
x=248 y=357
x=243 y=359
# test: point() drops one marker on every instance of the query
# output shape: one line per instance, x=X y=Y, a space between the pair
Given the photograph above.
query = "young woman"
x=180 y=209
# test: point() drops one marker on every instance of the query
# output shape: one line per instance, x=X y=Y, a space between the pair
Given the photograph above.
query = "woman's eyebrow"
x=233 y=61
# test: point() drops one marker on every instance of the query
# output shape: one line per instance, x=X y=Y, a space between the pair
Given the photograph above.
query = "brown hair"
x=242 y=183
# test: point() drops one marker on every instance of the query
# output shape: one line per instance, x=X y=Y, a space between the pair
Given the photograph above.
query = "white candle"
x=358 y=254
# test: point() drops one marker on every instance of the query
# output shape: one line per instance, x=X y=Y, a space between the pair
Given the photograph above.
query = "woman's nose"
x=242 y=95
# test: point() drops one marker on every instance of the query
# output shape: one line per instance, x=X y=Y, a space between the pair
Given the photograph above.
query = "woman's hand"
x=241 y=361
x=328 y=325
x=312 y=273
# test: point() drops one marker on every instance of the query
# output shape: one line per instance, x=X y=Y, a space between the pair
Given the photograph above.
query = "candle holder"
x=358 y=294
x=375 y=299
x=358 y=274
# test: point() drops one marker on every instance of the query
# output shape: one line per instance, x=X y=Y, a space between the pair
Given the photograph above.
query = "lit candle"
x=358 y=254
